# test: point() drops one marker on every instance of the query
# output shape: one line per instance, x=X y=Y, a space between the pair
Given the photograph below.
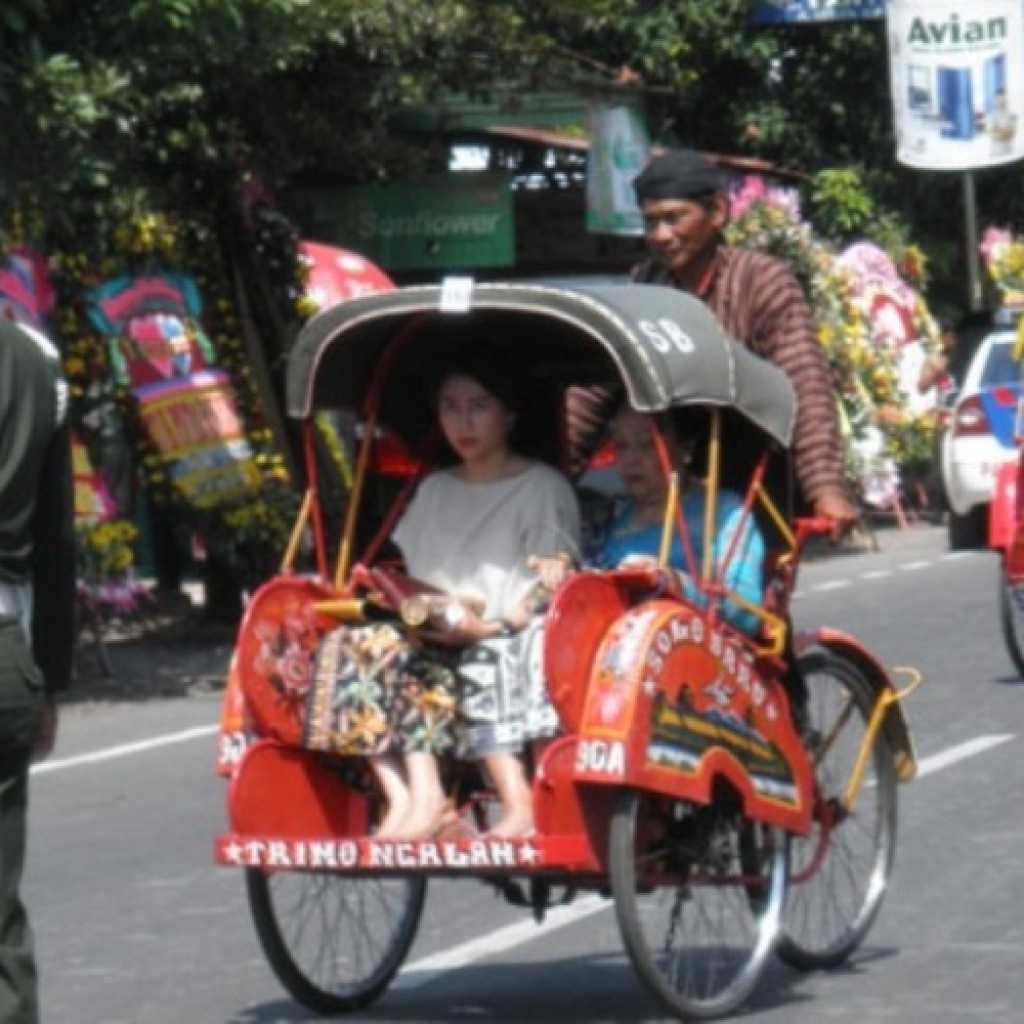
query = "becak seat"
x=277 y=642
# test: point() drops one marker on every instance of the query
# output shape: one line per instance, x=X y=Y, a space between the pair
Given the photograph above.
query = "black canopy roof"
x=663 y=346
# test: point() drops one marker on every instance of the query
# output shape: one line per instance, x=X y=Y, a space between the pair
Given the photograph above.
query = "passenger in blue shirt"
x=635 y=533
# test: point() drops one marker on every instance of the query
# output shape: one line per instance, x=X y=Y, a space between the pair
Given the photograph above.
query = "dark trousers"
x=21 y=707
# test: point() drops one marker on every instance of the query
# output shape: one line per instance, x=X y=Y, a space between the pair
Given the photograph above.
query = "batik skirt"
x=377 y=691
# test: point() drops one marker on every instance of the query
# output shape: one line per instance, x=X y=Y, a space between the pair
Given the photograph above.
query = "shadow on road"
x=600 y=989
x=162 y=651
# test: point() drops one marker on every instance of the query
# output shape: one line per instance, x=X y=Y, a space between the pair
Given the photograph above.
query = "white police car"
x=981 y=436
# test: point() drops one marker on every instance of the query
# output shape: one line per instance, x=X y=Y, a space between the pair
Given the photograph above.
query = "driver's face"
x=679 y=232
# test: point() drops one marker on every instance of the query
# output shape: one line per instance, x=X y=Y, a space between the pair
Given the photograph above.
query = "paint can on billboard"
x=957 y=70
x=618 y=149
x=795 y=12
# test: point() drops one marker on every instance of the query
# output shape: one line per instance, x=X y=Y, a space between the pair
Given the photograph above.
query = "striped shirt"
x=757 y=300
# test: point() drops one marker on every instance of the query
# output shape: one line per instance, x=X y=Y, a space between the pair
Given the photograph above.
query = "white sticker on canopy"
x=456 y=294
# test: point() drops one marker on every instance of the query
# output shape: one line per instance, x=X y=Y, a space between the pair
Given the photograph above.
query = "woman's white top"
x=474 y=539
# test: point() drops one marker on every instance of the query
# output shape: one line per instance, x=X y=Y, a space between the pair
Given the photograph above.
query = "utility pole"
x=974 y=295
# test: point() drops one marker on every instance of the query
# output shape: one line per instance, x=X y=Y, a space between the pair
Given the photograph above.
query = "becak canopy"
x=662 y=347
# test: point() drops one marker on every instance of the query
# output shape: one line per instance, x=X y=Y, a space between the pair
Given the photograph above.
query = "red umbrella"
x=338 y=274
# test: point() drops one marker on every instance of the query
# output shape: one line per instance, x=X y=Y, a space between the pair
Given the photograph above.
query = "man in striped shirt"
x=757 y=300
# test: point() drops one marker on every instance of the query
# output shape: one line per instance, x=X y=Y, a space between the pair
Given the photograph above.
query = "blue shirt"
x=744 y=575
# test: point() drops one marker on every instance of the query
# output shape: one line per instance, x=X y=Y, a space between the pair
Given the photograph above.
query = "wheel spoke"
x=334 y=942
x=697 y=929
x=830 y=910
x=1012 y=609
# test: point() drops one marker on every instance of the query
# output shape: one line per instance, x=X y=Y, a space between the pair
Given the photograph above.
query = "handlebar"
x=805 y=527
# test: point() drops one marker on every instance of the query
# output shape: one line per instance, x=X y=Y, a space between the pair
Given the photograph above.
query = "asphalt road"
x=135 y=924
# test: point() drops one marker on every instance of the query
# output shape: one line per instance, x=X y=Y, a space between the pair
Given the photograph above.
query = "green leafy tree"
x=114 y=111
x=812 y=98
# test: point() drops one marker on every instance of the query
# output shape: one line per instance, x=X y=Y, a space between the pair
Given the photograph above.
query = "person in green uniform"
x=37 y=572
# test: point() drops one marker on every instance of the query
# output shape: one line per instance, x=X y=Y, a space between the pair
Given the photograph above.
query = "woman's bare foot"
x=427 y=804
x=508 y=774
x=396 y=813
x=397 y=798
x=422 y=821
x=515 y=823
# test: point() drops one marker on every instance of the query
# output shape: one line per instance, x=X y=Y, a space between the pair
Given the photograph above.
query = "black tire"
x=1011 y=613
x=829 y=911
x=698 y=933
x=967 y=532
x=333 y=941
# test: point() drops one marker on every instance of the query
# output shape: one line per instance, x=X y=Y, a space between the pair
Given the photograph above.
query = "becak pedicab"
x=678 y=786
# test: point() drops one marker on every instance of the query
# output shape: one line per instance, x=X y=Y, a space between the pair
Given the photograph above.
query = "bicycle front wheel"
x=334 y=942
x=840 y=871
x=698 y=895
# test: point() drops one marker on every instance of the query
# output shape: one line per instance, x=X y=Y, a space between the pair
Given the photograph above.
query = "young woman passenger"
x=491 y=531
x=635 y=534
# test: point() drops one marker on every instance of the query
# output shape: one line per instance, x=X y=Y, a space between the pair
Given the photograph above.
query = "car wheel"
x=967 y=532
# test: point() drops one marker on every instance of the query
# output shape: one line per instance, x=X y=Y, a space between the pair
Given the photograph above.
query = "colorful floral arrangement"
x=912 y=265
x=1003 y=256
x=768 y=219
x=864 y=363
x=106 y=561
x=248 y=536
x=106 y=547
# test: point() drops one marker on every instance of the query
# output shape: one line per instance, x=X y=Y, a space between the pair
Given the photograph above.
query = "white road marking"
x=125 y=750
x=420 y=972
x=111 y=753
x=880 y=574
x=962 y=751
x=426 y=969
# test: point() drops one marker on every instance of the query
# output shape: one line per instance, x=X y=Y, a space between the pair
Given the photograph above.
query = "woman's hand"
x=667 y=579
x=839 y=511
x=456 y=625
x=552 y=570
x=638 y=561
x=518 y=618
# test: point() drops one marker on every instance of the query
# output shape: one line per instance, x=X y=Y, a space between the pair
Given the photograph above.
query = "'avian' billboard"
x=957 y=70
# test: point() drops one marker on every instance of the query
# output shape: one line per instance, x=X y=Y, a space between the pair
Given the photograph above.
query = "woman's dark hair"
x=490 y=368
x=686 y=423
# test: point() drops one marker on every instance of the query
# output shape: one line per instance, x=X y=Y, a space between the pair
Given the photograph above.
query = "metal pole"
x=971 y=240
